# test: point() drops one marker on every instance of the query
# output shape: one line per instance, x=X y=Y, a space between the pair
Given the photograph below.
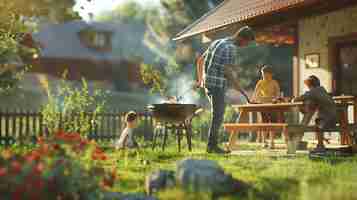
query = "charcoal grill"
x=175 y=117
x=172 y=112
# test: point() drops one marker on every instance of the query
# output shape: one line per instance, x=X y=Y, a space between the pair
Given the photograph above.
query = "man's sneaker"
x=319 y=149
x=217 y=150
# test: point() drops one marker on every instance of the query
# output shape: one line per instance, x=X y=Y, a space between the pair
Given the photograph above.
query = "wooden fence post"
x=14 y=130
x=27 y=123
x=114 y=126
x=1 y=121
x=21 y=121
x=7 y=126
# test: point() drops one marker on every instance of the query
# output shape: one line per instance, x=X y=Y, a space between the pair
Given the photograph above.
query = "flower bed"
x=64 y=166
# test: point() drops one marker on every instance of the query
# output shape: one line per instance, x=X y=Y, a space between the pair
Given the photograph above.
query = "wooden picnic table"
x=280 y=108
x=349 y=99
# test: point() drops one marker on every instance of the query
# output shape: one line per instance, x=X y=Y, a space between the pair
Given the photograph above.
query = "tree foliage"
x=161 y=24
x=52 y=10
x=127 y=13
x=181 y=13
x=172 y=16
x=18 y=18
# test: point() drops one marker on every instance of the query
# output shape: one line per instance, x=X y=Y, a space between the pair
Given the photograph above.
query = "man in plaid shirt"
x=219 y=63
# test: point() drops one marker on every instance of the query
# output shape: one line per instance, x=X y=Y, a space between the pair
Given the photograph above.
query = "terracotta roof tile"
x=233 y=11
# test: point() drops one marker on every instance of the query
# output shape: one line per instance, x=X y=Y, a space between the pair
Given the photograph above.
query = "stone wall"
x=314 y=33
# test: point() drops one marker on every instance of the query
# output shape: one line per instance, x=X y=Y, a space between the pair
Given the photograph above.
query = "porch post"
x=296 y=63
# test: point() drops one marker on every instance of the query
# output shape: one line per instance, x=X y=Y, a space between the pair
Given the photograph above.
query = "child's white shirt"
x=125 y=139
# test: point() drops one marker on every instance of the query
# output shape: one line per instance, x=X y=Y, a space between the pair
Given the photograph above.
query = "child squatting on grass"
x=127 y=139
x=317 y=99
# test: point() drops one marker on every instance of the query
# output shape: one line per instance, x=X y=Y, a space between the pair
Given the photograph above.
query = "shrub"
x=66 y=166
x=73 y=108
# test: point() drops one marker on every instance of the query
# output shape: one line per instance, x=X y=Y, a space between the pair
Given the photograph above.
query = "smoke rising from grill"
x=180 y=88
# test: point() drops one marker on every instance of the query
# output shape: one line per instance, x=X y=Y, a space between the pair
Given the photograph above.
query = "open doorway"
x=346 y=71
x=343 y=59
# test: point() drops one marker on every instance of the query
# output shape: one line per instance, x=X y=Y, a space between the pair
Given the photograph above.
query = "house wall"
x=123 y=74
x=77 y=68
x=314 y=34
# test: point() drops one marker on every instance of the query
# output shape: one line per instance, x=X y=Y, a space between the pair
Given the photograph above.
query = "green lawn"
x=272 y=177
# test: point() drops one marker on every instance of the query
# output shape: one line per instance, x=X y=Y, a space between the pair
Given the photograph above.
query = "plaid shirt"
x=220 y=53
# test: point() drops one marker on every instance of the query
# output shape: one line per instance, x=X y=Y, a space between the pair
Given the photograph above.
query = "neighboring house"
x=86 y=50
x=323 y=33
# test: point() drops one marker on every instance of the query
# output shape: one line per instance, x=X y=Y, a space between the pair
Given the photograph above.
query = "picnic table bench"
x=289 y=130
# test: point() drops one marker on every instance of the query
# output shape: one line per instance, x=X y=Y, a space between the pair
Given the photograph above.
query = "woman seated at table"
x=266 y=91
x=317 y=99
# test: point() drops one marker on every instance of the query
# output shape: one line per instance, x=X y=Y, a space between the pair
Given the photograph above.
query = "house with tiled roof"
x=93 y=50
x=322 y=32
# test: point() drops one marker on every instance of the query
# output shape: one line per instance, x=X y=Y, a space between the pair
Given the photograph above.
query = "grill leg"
x=188 y=136
x=156 y=132
x=165 y=137
x=178 y=133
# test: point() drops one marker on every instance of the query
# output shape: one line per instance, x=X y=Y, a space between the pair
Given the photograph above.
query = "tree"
x=160 y=24
x=181 y=13
x=129 y=12
x=18 y=18
x=53 y=10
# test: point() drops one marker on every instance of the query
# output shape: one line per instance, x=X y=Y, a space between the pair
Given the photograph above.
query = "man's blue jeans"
x=216 y=98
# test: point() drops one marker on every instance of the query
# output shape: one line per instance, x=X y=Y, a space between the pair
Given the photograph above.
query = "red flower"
x=95 y=156
x=38 y=169
x=108 y=181
x=98 y=150
x=56 y=147
x=60 y=135
x=33 y=156
x=71 y=137
x=3 y=171
x=16 y=167
x=103 y=157
x=60 y=132
x=40 y=140
x=45 y=149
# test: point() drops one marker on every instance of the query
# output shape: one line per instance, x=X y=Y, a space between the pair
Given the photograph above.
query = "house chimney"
x=91 y=16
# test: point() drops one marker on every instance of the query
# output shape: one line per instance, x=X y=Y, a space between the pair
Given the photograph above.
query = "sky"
x=98 y=6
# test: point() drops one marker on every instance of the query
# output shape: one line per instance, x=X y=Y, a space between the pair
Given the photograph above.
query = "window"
x=98 y=40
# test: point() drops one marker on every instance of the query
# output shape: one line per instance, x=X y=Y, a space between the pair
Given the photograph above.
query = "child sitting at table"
x=266 y=91
x=127 y=139
x=317 y=98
